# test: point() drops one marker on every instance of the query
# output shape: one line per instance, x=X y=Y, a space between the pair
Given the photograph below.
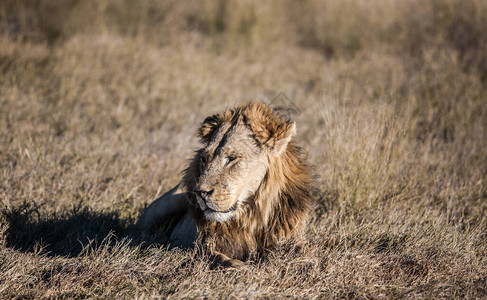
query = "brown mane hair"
x=280 y=207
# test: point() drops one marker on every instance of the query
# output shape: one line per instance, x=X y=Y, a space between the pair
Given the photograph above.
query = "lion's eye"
x=203 y=160
x=231 y=159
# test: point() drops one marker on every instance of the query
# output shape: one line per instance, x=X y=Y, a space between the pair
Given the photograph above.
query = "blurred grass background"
x=99 y=102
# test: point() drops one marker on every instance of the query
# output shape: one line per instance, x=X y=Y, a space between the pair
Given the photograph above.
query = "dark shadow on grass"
x=69 y=232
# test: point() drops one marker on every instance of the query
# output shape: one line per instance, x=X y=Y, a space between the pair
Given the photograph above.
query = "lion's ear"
x=270 y=129
x=283 y=136
x=274 y=134
x=208 y=127
x=212 y=123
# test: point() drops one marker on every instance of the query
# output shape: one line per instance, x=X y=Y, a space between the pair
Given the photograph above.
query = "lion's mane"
x=278 y=210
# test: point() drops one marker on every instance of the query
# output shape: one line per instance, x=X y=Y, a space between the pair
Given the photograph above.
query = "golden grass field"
x=100 y=101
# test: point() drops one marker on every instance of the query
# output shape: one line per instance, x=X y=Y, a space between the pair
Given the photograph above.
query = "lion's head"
x=238 y=147
x=248 y=174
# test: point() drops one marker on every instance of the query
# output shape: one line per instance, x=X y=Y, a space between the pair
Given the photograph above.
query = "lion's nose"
x=203 y=194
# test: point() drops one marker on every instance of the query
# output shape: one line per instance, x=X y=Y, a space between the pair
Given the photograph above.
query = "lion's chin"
x=219 y=217
x=215 y=215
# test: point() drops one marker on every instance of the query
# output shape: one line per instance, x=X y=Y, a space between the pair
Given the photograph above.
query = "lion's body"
x=246 y=190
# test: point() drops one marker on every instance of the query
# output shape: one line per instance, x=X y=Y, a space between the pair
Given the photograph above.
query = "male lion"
x=246 y=190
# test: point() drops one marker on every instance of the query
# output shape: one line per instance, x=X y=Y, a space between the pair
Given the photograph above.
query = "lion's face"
x=232 y=167
x=239 y=146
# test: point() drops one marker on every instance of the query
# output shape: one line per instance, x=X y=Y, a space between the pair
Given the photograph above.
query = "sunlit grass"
x=100 y=100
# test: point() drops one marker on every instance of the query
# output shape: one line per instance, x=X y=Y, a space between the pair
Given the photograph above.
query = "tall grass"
x=99 y=102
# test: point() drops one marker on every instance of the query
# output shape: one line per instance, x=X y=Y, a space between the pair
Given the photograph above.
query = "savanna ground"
x=99 y=102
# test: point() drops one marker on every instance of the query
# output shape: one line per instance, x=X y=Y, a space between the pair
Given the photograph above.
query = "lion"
x=246 y=190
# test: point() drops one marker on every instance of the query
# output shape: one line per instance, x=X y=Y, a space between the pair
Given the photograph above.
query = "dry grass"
x=99 y=101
